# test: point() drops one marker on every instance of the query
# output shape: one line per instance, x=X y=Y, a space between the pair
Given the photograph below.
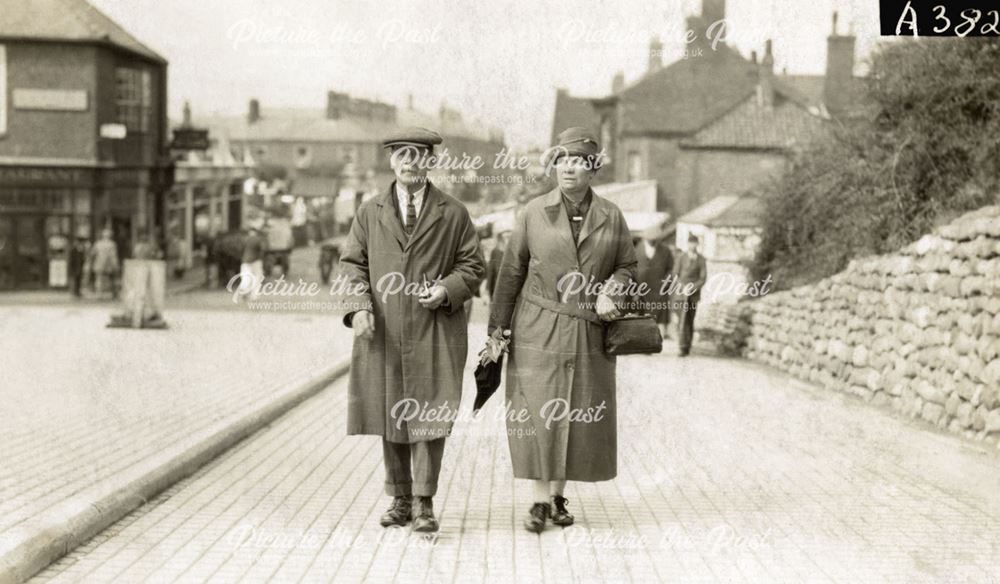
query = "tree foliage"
x=926 y=150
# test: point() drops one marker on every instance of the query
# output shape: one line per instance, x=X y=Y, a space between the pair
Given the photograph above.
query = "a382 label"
x=954 y=18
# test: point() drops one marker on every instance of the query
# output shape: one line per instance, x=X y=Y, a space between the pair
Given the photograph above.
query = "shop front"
x=41 y=210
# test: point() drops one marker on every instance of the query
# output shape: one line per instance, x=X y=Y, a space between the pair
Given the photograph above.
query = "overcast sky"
x=499 y=61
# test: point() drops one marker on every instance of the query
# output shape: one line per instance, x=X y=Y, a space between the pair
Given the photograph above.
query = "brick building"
x=715 y=124
x=83 y=129
x=336 y=153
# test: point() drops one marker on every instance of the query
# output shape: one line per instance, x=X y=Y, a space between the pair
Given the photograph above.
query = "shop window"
x=133 y=99
x=82 y=205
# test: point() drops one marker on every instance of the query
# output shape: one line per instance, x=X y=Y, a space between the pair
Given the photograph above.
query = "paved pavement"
x=728 y=472
x=84 y=406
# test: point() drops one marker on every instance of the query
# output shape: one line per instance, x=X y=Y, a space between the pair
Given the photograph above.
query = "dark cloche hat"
x=412 y=136
x=578 y=141
x=575 y=141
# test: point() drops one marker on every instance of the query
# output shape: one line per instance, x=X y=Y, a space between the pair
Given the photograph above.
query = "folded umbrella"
x=490 y=367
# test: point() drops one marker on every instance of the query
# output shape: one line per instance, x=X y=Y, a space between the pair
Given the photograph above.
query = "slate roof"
x=69 y=21
x=312 y=125
x=726 y=211
x=685 y=95
x=745 y=212
x=749 y=125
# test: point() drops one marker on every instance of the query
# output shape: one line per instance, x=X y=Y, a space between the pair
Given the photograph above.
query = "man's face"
x=410 y=163
x=573 y=173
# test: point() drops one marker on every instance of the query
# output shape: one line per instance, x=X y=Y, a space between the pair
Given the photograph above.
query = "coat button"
x=569 y=365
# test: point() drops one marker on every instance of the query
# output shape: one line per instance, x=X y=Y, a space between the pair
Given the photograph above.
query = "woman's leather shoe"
x=535 y=522
x=560 y=516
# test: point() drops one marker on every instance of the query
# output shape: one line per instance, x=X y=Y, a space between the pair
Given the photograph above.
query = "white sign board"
x=62 y=100
x=114 y=131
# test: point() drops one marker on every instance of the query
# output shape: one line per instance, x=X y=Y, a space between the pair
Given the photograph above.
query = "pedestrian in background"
x=691 y=276
x=105 y=264
x=252 y=264
x=496 y=258
x=557 y=363
x=656 y=263
x=76 y=264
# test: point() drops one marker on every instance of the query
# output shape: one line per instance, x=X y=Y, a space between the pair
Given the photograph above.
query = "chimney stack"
x=253 y=113
x=655 y=54
x=618 y=82
x=713 y=11
x=186 y=121
x=409 y=101
x=839 y=70
x=337 y=105
x=765 y=78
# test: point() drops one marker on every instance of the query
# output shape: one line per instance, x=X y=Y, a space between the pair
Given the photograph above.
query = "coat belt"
x=567 y=309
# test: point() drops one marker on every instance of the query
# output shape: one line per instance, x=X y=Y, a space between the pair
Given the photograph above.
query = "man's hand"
x=606 y=309
x=434 y=298
x=363 y=323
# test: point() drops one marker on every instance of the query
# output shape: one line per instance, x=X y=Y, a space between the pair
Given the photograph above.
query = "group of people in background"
x=666 y=271
x=98 y=266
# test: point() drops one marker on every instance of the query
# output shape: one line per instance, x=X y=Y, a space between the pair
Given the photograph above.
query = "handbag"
x=632 y=334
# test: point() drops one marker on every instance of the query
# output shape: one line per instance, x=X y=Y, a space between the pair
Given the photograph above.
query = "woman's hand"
x=606 y=309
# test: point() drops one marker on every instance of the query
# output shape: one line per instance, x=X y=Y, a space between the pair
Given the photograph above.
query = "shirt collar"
x=417 y=196
x=583 y=204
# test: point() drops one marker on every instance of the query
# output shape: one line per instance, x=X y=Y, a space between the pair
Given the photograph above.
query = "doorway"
x=23 y=257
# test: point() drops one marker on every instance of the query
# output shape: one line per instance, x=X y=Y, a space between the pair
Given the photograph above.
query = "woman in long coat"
x=560 y=390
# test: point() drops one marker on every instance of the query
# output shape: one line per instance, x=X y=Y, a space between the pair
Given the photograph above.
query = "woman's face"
x=573 y=173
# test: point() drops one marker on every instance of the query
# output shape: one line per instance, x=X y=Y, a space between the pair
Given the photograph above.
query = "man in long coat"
x=411 y=260
x=656 y=263
x=691 y=274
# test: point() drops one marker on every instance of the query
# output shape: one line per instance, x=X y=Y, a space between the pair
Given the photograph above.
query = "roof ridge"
x=84 y=12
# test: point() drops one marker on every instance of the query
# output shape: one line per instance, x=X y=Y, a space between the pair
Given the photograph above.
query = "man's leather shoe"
x=423 y=520
x=535 y=521
x=399 y=513
x=560 y=516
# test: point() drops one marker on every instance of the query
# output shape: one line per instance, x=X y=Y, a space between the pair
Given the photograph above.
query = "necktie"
x=411 y=213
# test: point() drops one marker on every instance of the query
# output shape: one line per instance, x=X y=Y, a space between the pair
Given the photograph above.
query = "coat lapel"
x=430 y=214
x=388 y=218
x=559 y=221
x=596 y=217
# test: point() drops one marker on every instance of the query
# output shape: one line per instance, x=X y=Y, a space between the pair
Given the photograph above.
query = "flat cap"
x=412 y=136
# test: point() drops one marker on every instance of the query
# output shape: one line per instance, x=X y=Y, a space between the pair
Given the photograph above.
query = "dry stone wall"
x=917 y=331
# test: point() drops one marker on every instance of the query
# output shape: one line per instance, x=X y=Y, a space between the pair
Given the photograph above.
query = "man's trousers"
x=412 y=469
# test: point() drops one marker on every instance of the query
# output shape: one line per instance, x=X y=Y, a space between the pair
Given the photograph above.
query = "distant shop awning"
x=638 y=196
x=727 y=211
x=641 y=223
